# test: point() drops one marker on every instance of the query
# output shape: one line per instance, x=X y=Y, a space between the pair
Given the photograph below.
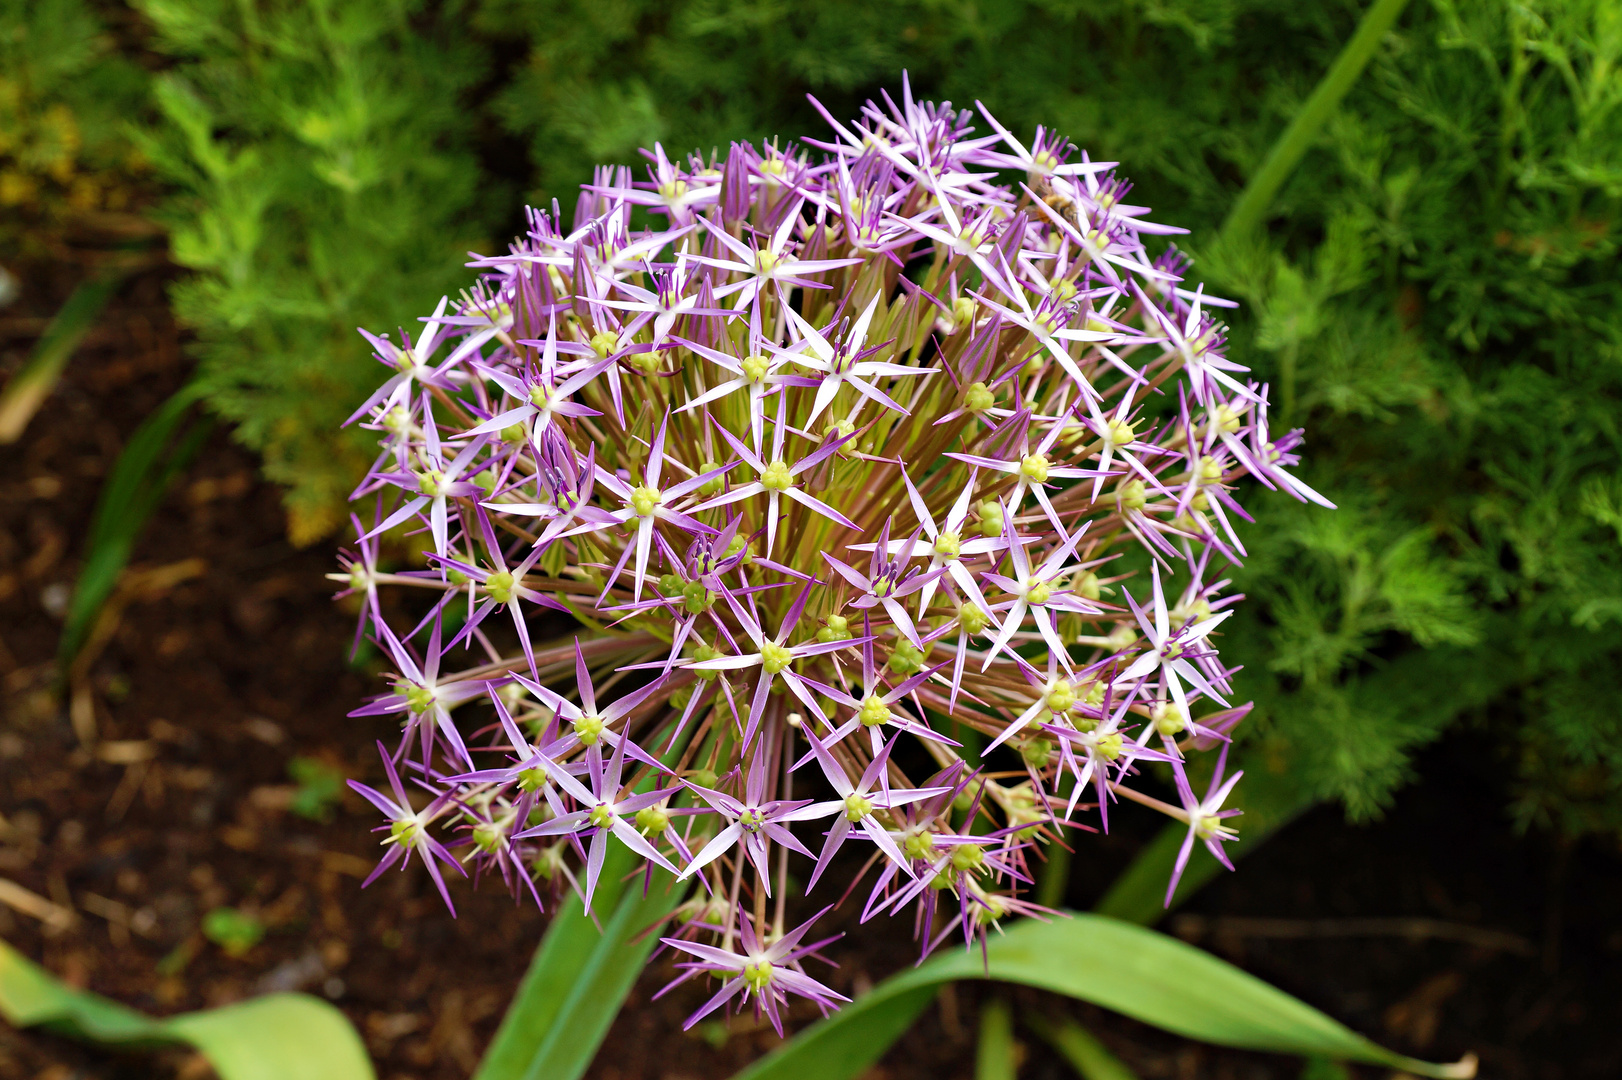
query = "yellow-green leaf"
x=266 y=1038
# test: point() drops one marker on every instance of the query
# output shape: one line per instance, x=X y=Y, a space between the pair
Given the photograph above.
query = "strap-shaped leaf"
x=27 y=390
x=580 y=977
x=159 y=448
x=1132 y=970
x=994 y=1054
x=1085 y=1053
x=267 y=1038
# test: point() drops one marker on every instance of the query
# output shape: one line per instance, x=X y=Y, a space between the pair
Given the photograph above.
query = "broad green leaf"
x=580 y=977
x=1133 y=970
x=850 y=1040
x=1090 y=1057
x=275 y=1037
x=267 y=1038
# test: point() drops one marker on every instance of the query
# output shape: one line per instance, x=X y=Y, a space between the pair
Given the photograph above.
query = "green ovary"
x=838 y=629
x=918 y=845
x=979 y=398
x=968 y=858
x=644 y=500
x=405 y=832
x=500 y=586
x=652 y=820
x=777 y=477
x=419 y=699
x=972 y=619
x=874 y=712
x=774 y=658
x=757 y=975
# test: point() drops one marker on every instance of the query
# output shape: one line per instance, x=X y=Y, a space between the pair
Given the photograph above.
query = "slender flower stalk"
x=889 y=499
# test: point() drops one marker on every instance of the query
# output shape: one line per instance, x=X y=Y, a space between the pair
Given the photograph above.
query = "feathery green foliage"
x=319 y=153
x=65 y=100
x=1438 y=297
x=1432 y=298
x=1431 y=295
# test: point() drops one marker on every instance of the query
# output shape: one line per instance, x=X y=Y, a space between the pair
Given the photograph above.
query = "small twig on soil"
x=1194 y=927
x=55 y=917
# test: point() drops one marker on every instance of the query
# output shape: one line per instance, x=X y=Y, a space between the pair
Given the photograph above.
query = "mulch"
x=158 y=789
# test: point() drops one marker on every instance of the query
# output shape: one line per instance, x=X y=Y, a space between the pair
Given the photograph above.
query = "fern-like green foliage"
x=1434 y=298
x=320 y=157
x=65 y=100
x=1439 y=305
x=1435 y=301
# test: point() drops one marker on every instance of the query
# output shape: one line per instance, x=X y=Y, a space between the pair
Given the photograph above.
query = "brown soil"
x=160 y=791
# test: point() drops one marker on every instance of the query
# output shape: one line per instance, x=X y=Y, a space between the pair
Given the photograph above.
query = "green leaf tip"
x=1129 y=969
x=264 y=1038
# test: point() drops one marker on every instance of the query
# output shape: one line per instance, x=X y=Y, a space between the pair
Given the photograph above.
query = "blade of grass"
x=267 y=1038
x=139 y=478
x=27 y=390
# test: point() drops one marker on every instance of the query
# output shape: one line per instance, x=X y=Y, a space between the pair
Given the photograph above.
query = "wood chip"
x=239 y=838
x=32 y=904
x=266 y=731
x=272 y=796
x=127 y=751
x=1194 y=927
x=341 y=862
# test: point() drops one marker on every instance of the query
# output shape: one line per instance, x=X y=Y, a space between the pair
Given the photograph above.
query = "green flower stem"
x=579 y=978
x=1287 y=152
x=1054 y=876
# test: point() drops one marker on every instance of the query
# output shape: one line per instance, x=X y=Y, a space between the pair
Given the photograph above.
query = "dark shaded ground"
x=164 y=794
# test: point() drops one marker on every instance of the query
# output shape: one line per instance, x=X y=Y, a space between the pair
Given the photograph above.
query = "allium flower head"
x=825 y=468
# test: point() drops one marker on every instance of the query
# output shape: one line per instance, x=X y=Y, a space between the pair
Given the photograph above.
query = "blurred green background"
x=1435 y=295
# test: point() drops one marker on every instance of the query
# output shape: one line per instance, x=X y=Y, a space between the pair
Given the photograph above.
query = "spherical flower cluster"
x=861 y=474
